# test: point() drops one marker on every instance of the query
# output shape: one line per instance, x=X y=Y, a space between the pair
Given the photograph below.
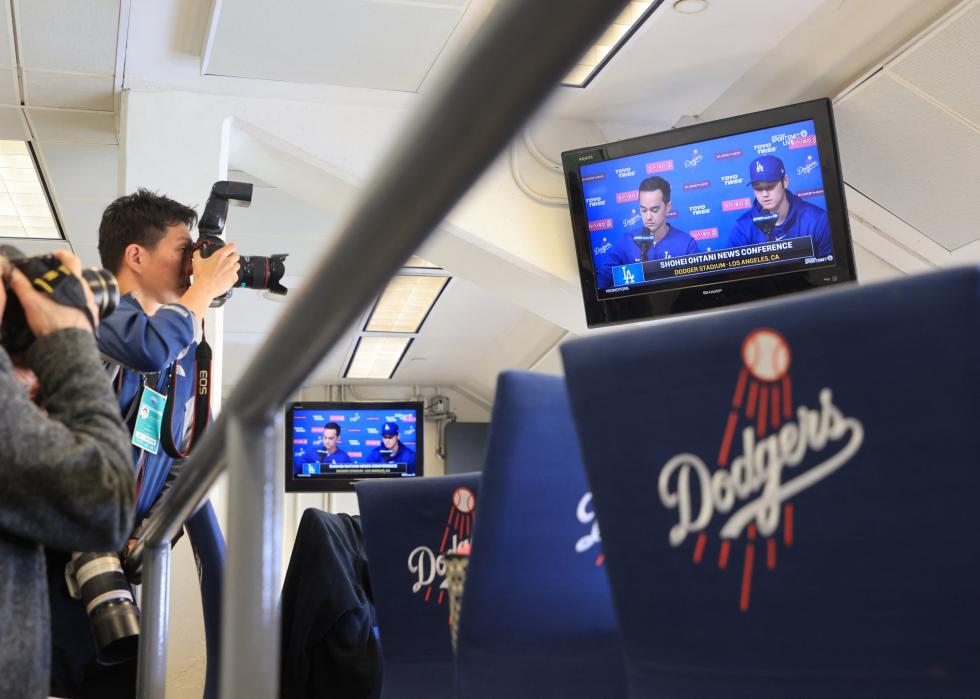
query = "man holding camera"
x=65 y=471
x=152 y=339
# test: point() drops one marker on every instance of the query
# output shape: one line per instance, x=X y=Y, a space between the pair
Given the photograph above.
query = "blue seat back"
x=537 y=617
x=788 y=492
x=409 y=524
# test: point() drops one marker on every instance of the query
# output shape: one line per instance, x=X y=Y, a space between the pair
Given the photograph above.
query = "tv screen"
x=709 y=215
x=330 y=446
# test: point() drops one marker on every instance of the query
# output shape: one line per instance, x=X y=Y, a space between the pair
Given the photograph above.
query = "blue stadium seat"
x=788 y=492
x=408 y=525
x=537 y=618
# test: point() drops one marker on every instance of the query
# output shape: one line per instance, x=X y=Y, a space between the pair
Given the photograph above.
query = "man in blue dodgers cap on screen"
x=392 y=451
x=655 y=240
x=777 y=213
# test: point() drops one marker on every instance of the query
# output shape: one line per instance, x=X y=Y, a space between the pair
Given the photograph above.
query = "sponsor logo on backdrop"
x=745 y=495
x=729 y=180
x=299 y=430
x=736 y=204
x=787 y=139
x=594 y=178
x=355 y=454
x=699 y=210
x=632 y=219
x=301 y=441
x=586 y=515
x=809 y=166
x=372 y=442
x=336 y=418
x=373 y=430
x=356 y=417
x=427 y=564
x=703 y=184
x=673 y=213
x=803 y=141
x=660 y=166
x=704 y=233
x=316 y=430
x=631 y=195
x=593 y=202
x=601 y=224
x=728 y=154
x=807 y=193
x=693 y=161
x=624 y=172
x=602 y=249
x=318 y=418
x=353 y=442
x=764 y=148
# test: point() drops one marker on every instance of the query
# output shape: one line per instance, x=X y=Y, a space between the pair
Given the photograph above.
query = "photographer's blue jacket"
x=144 y=345
x=802 y=219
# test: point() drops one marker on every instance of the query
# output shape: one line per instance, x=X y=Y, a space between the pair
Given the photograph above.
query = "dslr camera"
x=256 y=272
x=49 y=276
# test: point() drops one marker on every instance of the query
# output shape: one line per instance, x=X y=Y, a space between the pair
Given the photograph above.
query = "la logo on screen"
x=746 y=493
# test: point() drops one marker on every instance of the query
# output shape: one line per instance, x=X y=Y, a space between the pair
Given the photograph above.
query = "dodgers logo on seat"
x=428 y=565
x=748 y=497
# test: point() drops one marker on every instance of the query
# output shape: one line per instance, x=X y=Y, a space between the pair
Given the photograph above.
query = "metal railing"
x=519 y=55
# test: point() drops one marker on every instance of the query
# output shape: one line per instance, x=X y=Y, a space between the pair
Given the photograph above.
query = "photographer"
x=150 y=340
x=65 y=472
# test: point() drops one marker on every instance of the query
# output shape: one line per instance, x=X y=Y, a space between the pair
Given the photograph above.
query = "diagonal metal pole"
x=523 y=50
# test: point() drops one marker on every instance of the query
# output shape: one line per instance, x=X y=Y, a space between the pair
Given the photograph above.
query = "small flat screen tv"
x=331 y=446
x=710 y=215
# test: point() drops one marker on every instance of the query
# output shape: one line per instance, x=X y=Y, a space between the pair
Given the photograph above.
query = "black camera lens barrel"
x=109 y=603
x=105 y=289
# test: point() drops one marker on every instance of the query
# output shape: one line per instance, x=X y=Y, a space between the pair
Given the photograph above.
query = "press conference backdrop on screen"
x=342 y=443
x=710 y=189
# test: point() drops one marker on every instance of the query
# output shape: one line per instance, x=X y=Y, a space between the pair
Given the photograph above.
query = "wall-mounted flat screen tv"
x=709 y=215
x=330 y=446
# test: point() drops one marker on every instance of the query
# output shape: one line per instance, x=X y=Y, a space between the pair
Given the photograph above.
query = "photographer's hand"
x=45 y=316
x=213 y=276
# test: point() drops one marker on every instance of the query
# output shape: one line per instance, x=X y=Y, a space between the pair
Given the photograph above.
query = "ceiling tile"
x=9 y=89
x=67 y=91
x=945 y=65
x=381 y=45
x=57 y=126
x=68 y=35
x=912 y=158
x=12 y=125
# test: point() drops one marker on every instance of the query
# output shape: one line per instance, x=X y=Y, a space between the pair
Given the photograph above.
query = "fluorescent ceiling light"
x=405 y=303
x=24 y=208
x=632 y=16
x=376 y=357
x=416 y=261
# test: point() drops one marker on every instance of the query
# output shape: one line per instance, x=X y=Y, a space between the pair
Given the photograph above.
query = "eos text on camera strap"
x=202 y=402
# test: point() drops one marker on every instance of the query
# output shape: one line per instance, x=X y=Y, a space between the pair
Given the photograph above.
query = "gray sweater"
x=66 y=483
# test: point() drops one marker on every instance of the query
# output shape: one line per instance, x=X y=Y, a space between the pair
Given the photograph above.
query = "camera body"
x=49 y=276
x=256 y=272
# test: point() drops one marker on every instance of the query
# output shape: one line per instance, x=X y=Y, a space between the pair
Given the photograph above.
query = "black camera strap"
x=202 y=402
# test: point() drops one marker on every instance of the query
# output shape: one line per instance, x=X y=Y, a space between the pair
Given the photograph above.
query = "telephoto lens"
x=98 y=579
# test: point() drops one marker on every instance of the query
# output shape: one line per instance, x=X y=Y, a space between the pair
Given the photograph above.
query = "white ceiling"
x=376 y=44
x=62 y=71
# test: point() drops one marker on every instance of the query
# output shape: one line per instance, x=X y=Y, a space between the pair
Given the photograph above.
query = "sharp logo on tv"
x=586 y=515
x=593 y=202
x=809 y=166
x=736 y=204
x=660 y=166
x=631 y=195
x=729 y=180
x=624 y=172
x=783 y=452
x=601 y=225
x=693 y=161
x=428 y=564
